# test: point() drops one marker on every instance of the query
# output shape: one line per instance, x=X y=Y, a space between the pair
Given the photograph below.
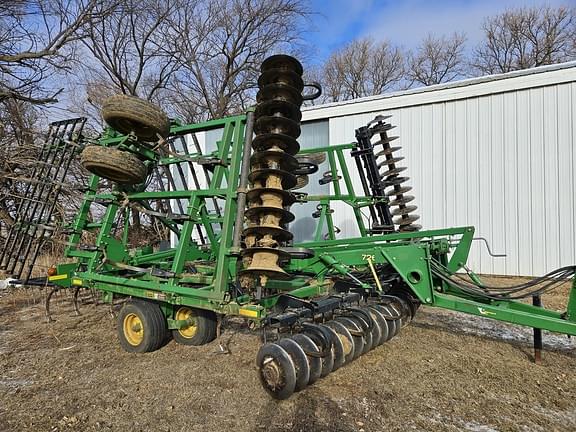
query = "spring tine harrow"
x=34 y=213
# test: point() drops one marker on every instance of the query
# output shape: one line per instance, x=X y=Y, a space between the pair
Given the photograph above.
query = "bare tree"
x=35 y=43
x=362 y=68
x=219 y=46
x=525 y=38
x=127 y=51
x=437 y=60
x=36 y=47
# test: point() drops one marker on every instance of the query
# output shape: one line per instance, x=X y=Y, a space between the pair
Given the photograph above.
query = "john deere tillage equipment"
x=320 y=303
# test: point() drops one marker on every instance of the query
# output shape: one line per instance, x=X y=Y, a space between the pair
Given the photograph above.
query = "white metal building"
x=495 y=152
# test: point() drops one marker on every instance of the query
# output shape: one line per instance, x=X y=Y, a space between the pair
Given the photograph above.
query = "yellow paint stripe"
x=250 y=313
x=57 y=277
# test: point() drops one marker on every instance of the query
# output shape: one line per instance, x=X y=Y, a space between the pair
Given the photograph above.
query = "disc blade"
x=322 y=336
x=300 y=361
x=277 y=371
x=312 y=353
x=346 y=341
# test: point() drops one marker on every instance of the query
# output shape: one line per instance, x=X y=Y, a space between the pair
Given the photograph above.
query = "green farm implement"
x=224 y=190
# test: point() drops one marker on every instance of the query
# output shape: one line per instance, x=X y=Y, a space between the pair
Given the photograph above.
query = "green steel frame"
x=109 y=266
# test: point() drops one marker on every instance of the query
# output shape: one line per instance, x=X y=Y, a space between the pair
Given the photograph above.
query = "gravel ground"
x=445 y=372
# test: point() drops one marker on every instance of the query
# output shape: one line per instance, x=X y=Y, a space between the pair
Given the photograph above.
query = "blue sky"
x=404 y=22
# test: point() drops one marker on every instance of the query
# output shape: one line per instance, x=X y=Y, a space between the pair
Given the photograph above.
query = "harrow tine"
x=36 y=207
x=47 y=304
x=75 y=301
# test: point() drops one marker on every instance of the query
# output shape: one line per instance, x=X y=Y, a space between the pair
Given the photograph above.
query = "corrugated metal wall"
x=314 y=134
x=502 y=160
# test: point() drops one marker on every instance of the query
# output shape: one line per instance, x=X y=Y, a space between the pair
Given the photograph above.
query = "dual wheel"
x=292 y=363
x=127 y=115
x=142 y=326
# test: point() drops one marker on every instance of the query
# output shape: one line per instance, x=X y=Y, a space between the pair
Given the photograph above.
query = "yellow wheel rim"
x=133 y=329
x=186 y=314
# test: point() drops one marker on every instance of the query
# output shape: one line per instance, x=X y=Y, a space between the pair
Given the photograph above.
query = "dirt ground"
x=445 y=372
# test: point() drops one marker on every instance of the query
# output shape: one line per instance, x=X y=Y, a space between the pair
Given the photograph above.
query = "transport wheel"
x=113 y=164
x=129 y=114
x=200 y=331
x=300 y=361
x=312 y=352
x=277 y=371
x=141 y=326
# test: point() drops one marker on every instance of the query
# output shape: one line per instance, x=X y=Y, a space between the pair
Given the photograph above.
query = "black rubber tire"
x=286 y=386
x=130 y=114
x=314 y=363
x=205 y=327
x=300 y=362
x=113 y=164
x=152 y=324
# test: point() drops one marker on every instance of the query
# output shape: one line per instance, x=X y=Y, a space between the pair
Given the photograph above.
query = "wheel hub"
x=133 y=329
x=185 y=314
x=272 y=373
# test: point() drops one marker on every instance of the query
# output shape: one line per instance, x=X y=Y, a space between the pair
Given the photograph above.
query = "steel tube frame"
x=409 y=253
